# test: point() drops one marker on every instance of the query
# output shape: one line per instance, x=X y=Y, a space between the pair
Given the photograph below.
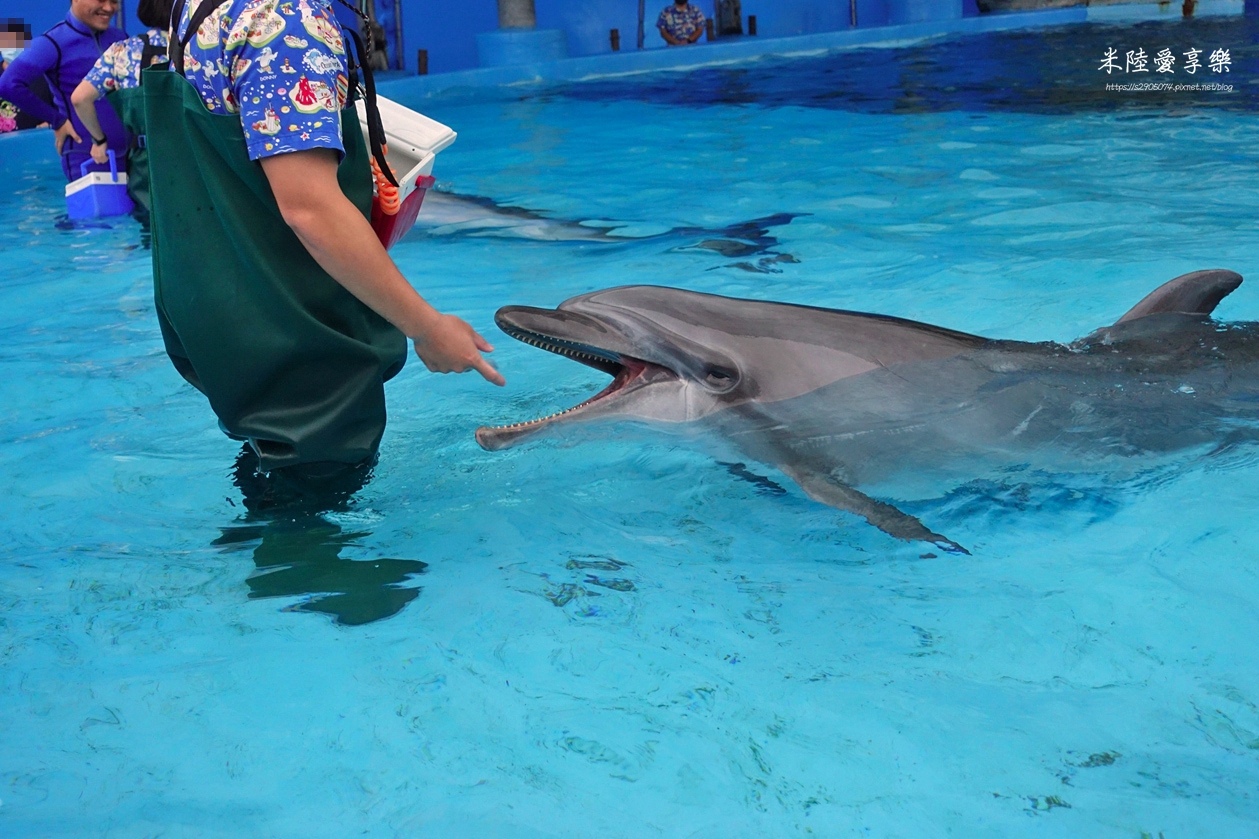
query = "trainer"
x=275 y=298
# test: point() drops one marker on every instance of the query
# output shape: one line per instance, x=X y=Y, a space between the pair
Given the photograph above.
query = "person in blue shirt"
x=117 y=74
x=119 y=69
x=680 y=24
x=274 y=295
x=64 y=55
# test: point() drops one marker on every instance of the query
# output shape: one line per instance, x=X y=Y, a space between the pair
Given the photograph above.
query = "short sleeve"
x=288 y=76
x=112 y=66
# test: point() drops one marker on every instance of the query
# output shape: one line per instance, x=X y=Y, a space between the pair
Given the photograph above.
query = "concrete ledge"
x=716 y=54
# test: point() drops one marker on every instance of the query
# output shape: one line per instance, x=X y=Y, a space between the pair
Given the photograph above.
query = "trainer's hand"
x=449 y=345
x=66 y=130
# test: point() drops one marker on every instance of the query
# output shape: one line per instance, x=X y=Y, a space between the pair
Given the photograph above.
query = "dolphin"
x=446 y=213
x=838 y=399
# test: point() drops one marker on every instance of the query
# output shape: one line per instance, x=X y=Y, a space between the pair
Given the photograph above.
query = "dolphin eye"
x=719 y=379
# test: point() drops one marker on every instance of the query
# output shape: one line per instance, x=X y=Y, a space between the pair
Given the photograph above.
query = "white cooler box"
x=412 y=142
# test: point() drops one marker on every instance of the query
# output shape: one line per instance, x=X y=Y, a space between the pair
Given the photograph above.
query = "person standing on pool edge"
x=274 y=296
x=64 y=55
x=680 y=24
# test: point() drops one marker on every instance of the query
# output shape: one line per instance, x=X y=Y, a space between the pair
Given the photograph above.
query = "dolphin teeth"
x=611 y=362
x=544 y=343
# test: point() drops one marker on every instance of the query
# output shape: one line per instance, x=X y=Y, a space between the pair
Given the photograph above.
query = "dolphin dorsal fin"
x=1195 y=293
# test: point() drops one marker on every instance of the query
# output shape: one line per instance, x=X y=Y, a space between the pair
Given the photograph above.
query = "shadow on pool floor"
x=298 y=550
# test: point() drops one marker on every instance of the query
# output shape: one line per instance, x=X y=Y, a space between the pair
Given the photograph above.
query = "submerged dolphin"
x=450 y=214
x=836 y=399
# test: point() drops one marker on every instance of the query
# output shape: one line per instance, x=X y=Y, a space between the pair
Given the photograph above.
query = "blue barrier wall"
x=448 y=30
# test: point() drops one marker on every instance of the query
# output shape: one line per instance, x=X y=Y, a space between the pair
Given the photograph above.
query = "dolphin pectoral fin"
x=823 y=488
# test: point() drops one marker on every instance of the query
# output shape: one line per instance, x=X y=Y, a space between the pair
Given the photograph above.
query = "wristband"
x=99 y=142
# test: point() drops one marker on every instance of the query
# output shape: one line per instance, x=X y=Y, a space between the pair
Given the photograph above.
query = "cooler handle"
x=113 y=167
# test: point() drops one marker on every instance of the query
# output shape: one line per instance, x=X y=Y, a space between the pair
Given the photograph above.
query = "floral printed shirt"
x=279 y=64
x=8 y=113
x=681 y=23
x=119 y=66
x=8 y=117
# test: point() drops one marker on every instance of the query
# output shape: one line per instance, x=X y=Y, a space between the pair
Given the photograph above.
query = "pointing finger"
x=488 y=372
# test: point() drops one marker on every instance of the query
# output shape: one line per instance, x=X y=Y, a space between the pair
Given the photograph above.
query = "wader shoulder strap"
x=179 y=45
x=375 y=127
x=153 y=53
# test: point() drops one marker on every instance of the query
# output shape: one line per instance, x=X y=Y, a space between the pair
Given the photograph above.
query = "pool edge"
x=716 y=54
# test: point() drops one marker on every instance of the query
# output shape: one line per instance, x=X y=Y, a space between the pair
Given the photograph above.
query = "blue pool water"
x=614 y=634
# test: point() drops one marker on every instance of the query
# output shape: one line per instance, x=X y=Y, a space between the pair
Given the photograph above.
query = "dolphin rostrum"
x=838 y=399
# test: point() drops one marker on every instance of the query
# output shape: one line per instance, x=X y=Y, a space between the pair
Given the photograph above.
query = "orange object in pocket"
x=388 y=196
x=410 y=144
x=392 y=214
x=390 y=227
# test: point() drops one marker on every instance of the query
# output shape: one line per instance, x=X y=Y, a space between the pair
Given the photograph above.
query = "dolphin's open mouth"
x=623 y=369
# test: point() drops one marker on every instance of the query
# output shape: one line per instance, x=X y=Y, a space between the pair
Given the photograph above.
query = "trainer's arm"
x=84 y=101
x=342 y=241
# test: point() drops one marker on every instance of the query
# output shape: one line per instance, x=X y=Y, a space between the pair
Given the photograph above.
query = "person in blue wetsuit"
x=64 y=55
x=14 y=36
